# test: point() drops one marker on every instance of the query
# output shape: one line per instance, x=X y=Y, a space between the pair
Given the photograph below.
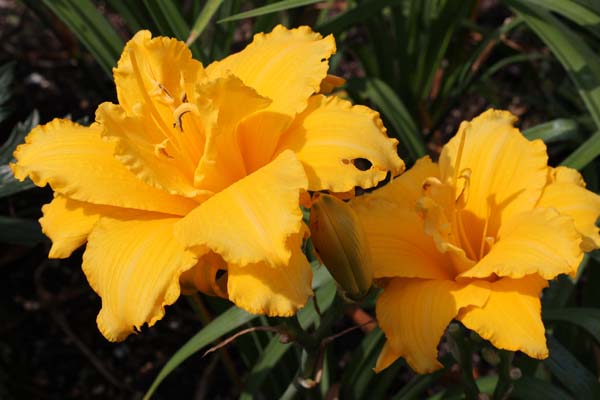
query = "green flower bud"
x=340 y=243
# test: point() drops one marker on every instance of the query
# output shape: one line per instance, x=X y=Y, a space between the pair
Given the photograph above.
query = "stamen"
x=484 y=237
x=459 y=153
x=160 y=149
x=153 y=111
x=180 y=111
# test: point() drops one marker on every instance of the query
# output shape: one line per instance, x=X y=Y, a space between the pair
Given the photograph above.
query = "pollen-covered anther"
x=180 y=111
x=160 y=149
x=463 y=184
x=160 y=91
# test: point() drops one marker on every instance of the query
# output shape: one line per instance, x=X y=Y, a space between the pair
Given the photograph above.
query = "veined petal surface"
x=568 y=195
x=281 y=291
x=540 y=241
x=286 y=65
x=149 y=152
x=68 y=223
x=508 y=172
x=134 y=264
x=511 y=319
x=76 y=162
x=250 y=221
x=223 y=104
x=413 y=314
x=331 y=134
x=158 y=70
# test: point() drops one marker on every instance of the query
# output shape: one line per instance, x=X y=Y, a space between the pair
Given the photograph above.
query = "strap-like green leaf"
x=223 y=324
x=20 y=231
x=527 y=388
x=557 y=130
x=210 y=8
x=570 y=372
x=580 y=61
x=271 y=8
x=91 y=28
x=586 y=318
x=8 y=184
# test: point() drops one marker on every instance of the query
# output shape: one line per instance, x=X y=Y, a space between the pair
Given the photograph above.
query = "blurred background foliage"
x=425 y=65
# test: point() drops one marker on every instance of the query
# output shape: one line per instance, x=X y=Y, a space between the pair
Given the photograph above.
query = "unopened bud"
x=340 y=243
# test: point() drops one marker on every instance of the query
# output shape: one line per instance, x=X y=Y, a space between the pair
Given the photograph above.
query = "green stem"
x=464 y=357
x=504 y=385
x=200 y=309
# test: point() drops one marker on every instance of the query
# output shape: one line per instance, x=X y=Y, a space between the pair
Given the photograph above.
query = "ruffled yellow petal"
x=567 y=194
x=77 y=163
x=538 y=241
x=209 y=276
x=395 y=232
x=413 y=314
x=258 y=136
x=387 y=356
x=68 y=223
x=281 y=291
x=160 y=70
x=508 y=172
x=250 y=221
x=331 y=134
x=286 y=65
x=158 y=158
x=511 y=318
x=407 y=188
x=134 y=265
x=224 y=103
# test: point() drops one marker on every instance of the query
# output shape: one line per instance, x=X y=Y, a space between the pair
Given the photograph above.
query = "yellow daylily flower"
x=193 y=180
x=475 y=238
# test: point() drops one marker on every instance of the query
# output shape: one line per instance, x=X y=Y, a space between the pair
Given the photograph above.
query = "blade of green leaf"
x=132 y=14
x=359 y=370
x=168 y=19
x=355 y=15
x=585 y=153
x=268 y=359
x=527 y=388
x=7 y=74
x=20 y=231
x=210 y=8
x=578 y=13
x=223 y=324
x=394 y=110
x=570 y=372
x=420 y=383
x=8 y=184
x=271 y=8
x=586 y=318
x=557 y=130
x=579 y=60
x=91 y=28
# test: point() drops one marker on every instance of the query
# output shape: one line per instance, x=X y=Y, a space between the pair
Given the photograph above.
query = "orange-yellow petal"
x=68 y=223
x=398 y=245
x=134 y=265
x=76 y=162
x=386 y=357
x=540 y=241
x=281 y=291
x=511 y=319
x=251 y=220
x=508 y=172
x=413 y=314
x=568 y=195
x=158 y=156
x=223 y=104
x=286 y=65
x=160 y=69
x=331 y=134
